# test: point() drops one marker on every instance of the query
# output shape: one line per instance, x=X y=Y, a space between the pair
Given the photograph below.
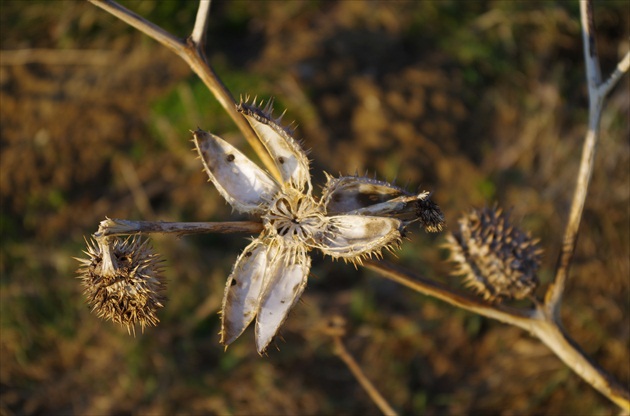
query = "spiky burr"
x=495 y=258
x=122 y=281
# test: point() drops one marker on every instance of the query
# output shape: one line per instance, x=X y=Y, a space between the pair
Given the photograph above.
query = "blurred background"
x=479 y=102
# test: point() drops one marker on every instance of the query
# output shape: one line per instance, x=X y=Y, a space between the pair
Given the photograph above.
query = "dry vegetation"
x=478 y=101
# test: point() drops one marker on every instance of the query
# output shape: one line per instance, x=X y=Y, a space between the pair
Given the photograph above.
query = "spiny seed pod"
x=496 y=259
x=368 y=196
x=122 y=281
x=430 y=215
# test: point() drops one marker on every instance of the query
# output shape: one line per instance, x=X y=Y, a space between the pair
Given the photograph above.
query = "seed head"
x=122 y=281
x=356 y=218
x=497 y=260
x=430 y=215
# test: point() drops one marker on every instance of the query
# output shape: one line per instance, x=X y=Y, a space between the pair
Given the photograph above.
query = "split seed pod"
x=271 y=273
x=366 y=196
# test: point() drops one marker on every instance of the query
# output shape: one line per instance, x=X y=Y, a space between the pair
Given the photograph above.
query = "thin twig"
x=613 y=79
x=201 y=24
x=551 y=333
x=512 y=316
x=190 y=52
x=540 y=322
x=114 y=227
x=357 y=372
x=132 y=19
x=596 y=95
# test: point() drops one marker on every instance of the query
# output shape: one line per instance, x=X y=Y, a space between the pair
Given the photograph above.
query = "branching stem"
x=597 y=91
x=190 y=51
x=413 y=281
x=539 y=322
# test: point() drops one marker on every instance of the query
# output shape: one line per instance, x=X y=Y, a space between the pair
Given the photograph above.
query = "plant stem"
x=201 y=24
x=349 y=361
x=115 y=227
x=596 y=94
x=512 y=316
x=191 y=52
x=540 y=322
x=551 y=333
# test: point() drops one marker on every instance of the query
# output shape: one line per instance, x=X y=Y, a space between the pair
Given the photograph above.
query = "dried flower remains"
x=122 y=281
x=496 y=259
x=356 y=218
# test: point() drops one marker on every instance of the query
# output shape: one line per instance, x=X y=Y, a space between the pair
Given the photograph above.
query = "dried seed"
x=496 y=259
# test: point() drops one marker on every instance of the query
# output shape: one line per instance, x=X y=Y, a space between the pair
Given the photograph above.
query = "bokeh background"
x=480 y=102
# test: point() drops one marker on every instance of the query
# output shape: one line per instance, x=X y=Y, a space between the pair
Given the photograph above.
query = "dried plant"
x=270 y=275
x=122 y=281
x=355 y=218
x=496 y=259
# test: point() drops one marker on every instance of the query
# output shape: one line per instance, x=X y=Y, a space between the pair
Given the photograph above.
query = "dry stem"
x=114 y=227
x=597 y=91
x=191 y=51
x=367 y=385
x=540 y=322
x=336 y=331
x=201 y=24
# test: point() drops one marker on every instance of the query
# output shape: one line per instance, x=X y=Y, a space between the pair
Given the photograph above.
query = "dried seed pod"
x=355 y=237
x=366 y=196
x=239 y=180
x=351 y=193
x=122 y=281
x=497 y=260
x=429 y=215
x=287 y=154
x=243 y=290
x=288 y=274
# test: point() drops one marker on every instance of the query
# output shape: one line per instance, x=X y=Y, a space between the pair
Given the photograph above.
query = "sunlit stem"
x=116 y=227
x=597 y=90
x=190 y=50
x=110 y=265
